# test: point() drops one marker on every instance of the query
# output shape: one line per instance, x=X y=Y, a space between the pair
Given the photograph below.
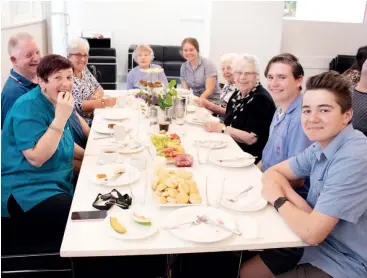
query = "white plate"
x=129 y=148
x=130 y=175
x=184 y=92
x=233 y=163
x=192 y=120
x=115 y=115
x=190 y=108
x=202 y=233
x=198 y=184
x=134 y=230
x=213 y=144
x=103 y=128
x=249 y=201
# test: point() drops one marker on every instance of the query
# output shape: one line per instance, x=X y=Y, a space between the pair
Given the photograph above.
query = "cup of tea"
x=120 y=133
x=122 y=101
x=108 y=155
x=163 y=126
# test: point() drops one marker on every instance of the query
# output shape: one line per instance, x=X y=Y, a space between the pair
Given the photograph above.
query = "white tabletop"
x=83 y=239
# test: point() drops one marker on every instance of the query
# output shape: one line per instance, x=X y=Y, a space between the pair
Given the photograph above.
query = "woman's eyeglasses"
x=247 y=74
x=80 y=56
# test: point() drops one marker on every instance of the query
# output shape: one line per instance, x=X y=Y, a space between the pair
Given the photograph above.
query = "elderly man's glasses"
x=80 y=56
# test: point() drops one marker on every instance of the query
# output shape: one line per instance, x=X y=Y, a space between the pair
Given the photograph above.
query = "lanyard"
x=16 y=80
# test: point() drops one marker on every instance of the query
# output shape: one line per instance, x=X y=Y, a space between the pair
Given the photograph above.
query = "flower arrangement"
x=162 y=97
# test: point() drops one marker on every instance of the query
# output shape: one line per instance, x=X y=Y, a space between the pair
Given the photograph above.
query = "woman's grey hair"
x=78 y=44
x=15 y=39
x=240 y=62
x=228 y=58
x=143 y=47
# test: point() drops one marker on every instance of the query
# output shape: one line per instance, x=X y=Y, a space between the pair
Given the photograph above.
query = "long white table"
x=83 y=239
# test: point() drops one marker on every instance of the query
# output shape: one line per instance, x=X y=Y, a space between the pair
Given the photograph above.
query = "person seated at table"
x=198 y=73
x=37 y=154
x=354 y=72
x=25 y=56
x=230 y=87
x=144 y=55
x=284 y=76
x=333 y=220
x=87 y=92
x=360 y=102
x=249 y=111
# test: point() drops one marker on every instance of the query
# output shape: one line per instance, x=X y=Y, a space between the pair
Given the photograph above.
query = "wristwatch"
x=224 y=129
x=279 y=202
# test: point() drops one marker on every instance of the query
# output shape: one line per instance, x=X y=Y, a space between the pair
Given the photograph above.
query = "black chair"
x=102 y=64
x=341 y=63
x=24 y=258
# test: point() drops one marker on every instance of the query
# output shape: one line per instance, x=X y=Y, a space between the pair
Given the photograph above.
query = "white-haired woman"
x=250 y=109
x=87 y=92
x=144 y=55
x=229 y=88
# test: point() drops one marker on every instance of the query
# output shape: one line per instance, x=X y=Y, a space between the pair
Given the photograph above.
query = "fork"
x=235 y=198
x=175 y=226
x=205 y=219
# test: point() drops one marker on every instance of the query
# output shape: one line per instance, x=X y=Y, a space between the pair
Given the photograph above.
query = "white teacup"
x=122 y=101
x=108 y=155
x=120 y=133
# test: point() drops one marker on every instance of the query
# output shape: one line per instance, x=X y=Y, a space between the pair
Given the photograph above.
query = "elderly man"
x=25 y=57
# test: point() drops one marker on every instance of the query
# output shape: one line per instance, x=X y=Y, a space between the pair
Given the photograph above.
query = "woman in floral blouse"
x=87 y=92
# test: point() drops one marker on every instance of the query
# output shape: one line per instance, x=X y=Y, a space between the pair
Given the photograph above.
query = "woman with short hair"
x=144 y=55
x=38 y=151
x=250 y=109
x=230 y=87
x=87 y=92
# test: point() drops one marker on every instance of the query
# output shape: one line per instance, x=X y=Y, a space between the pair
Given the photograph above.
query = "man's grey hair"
x=77 y=44
x=143 y=47
x=244 y=58
x=228 y=58
x=14 y=42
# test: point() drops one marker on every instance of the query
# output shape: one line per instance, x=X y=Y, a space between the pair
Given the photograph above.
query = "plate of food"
x=200 y=224
x=152 y=70
x=114 y=175
x=175 y=187
x=168 y=146
x=129 y=225
x=104 y=128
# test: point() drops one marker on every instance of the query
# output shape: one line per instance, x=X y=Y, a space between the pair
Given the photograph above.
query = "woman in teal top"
x=38 y=151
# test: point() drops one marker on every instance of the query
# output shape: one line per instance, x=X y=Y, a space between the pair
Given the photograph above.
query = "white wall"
x=153 y=22
x=37 y=29
x=252 y=27
x=317 y=43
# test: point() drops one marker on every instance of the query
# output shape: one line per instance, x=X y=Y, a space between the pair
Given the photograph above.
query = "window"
x=335 y=11
x=20 y=12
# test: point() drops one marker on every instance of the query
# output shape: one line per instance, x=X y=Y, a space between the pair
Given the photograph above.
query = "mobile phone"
x=88 y=215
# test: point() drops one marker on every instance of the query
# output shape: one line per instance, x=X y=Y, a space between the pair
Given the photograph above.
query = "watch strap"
x=279 y=202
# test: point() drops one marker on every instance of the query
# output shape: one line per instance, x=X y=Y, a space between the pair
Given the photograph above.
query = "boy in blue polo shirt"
x=284 y=79
x=333 y=220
